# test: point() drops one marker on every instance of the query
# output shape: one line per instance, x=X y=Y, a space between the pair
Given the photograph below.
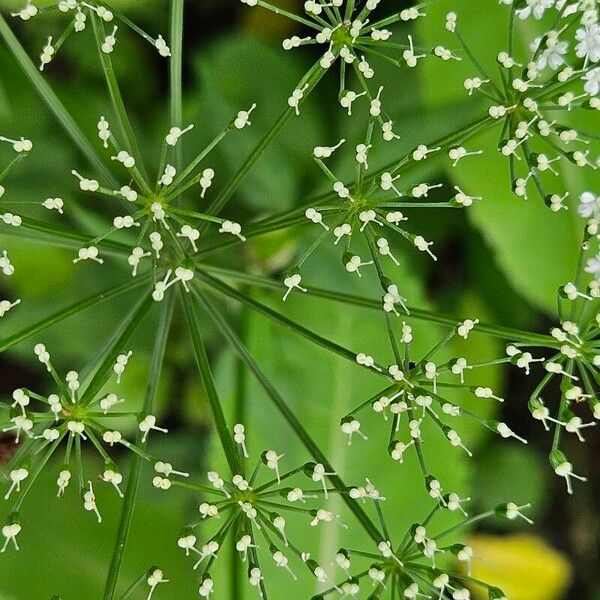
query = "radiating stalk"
x=506 y=333
x=288 y=415
x=156 y=363
x=54 y=104
x=71 y=310
x=175 y=71
x=224 y=433
x=138 y=172
x=313 y=76
x=118 y=341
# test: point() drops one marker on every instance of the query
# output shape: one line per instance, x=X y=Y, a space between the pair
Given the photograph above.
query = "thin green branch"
x=65 y=237
x=210 y=389
x=156 y=363
x=313 y=337
x=310 y=80
x=71 y=310
x=506 y=333
x=117 y=343
x=54 y=104
x=175 y=71
x=138 y=172
x=288 y=415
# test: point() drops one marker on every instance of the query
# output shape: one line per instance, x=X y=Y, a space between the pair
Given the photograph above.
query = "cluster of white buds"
x=69 y=416
x=162 y=47
x=206 y=180
x=250 y=501
x=181 y=274
x=243 y=118
x=351 y=426
x=462 y=199
x=294 y=42
x=120 y=364
x=191 y=234
x=109 y=41
x=464 y=329
x=347 y=99
x=125 y=159
x=391 y=298
x=175 y=133
x=147 y=424
x=126 y=222
x=387 y=131
x=10 y=533
x=232 y=228
x=86 y=185
x=168 y=176
x=474 y=83
x=6 y=266
x=134 y=259
x=327 y=151
x=355 y=262
x=27 y=12
x=409 y=55
x=423 y=245
x=47 y=54
x=292 y=282
x=22 y=145
x=316 y=217
x=155 y=578
x=457 y=153
x=422 y=152
x=11 y=219
x=56 y=204
x=89 y=502
x=88 y=253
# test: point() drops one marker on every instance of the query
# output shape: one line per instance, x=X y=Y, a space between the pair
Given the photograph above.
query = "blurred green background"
x=501 y=260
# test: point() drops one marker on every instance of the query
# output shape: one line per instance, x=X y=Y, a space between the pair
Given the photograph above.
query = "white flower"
x=593 y=267
x=589 y=43
x=592 y=79
x=535 y=7
x=589 y=205
x=550 y=57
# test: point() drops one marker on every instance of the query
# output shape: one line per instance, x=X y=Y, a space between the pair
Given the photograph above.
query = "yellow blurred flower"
x=523 y=566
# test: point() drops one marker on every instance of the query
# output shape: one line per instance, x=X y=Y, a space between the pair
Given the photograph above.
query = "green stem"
x=288 y=415
x=267 y=225
x=136 y=468
x=313 y=337
x=210 y=389
x=175 y=71
x=136 y=584
x=53 y=103
x=289 y=15
x=121 y=337
x=71 y=310
x=506 y=333
x=66 y=237
x=138 y=172
x=311 y=79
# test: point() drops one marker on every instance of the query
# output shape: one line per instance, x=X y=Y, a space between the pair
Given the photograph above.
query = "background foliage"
x=487 y=268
